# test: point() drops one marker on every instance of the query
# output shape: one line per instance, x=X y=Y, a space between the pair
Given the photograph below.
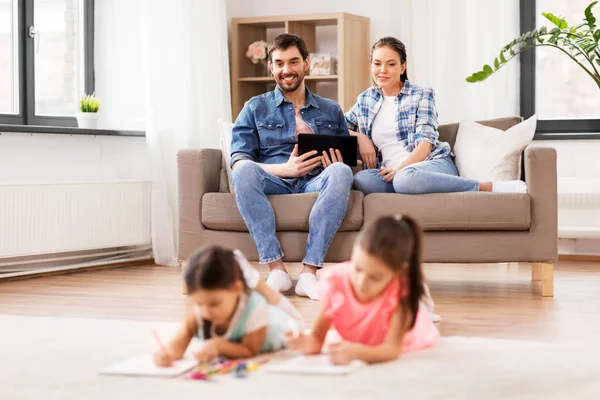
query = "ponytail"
x=396 y=240
x=415 y=273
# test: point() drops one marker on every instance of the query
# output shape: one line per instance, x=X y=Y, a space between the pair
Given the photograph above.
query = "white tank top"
x=384 y=136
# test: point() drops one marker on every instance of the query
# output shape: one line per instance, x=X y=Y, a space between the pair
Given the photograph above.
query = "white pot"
x=88 y=120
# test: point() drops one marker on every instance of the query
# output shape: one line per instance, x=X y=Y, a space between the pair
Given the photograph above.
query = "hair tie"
x=239 y=257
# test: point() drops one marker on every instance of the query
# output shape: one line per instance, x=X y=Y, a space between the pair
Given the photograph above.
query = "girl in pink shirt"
x=372 y=301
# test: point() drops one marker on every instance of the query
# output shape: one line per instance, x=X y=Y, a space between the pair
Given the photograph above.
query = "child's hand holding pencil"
x=162 y=357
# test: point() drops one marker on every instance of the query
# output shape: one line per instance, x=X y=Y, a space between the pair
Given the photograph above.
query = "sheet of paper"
x=144 y=366
x=318 y=365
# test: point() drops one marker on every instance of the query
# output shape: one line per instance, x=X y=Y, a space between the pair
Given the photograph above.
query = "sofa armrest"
x=540 y=175
x=199 y=172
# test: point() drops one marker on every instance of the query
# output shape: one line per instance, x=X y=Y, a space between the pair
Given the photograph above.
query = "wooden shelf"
x=344 y=34
x=307 y=77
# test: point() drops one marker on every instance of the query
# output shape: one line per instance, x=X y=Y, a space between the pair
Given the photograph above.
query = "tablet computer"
x=346 y=144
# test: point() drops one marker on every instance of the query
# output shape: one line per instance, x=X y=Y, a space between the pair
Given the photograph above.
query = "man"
x=265 y=161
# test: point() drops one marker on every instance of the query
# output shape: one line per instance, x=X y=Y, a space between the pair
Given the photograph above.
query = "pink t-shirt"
x=301 y=126
x=368 y=323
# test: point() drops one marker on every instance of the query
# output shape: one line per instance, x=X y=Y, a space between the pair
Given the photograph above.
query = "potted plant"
x=579 y=42
x=87 y=117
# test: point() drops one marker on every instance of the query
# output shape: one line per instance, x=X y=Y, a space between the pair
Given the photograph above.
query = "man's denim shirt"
x=265 y=129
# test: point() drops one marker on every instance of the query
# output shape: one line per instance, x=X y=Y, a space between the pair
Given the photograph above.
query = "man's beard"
x=288 y=89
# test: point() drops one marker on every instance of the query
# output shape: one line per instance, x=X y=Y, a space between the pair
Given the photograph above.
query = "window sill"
x=65 y=130
x=566 y=136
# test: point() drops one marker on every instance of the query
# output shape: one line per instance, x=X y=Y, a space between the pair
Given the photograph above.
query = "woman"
x=401 y=120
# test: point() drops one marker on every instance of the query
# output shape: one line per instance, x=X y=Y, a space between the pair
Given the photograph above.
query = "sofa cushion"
x=469 y=211
x=220 y=211
x=488 y=154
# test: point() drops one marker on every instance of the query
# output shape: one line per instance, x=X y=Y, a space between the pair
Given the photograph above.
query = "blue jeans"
x=431 y=176
x=252 y=184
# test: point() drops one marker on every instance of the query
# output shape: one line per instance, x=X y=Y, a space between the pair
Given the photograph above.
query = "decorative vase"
x=265 y=68
x=87 y=120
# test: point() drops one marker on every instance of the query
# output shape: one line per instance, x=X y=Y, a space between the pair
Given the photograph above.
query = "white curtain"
x=186 y=82
x=447 y=41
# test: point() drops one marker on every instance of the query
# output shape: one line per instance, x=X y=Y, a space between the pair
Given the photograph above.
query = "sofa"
x=471 y=227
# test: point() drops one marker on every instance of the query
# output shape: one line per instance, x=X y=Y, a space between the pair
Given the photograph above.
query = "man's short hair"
x=284 y=42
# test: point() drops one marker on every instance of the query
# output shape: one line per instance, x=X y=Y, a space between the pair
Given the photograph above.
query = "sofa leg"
x=183 y=286
x=547 y=275
x=536 y=272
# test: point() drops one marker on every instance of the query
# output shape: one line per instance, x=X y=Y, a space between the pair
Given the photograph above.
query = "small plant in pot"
x=87 y=117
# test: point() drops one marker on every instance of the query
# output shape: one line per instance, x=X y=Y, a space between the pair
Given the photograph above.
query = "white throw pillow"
x=226 y=129
x=489 y=154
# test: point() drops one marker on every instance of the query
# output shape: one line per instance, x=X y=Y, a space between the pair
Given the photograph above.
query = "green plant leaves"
x=580 y=42
x=589 y=16
x=561 y=23
x=89 y=103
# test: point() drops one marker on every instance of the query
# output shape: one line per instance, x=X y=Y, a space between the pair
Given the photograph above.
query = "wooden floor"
x=495 y=300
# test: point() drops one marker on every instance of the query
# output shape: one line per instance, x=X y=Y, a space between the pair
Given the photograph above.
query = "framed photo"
x=322 y=64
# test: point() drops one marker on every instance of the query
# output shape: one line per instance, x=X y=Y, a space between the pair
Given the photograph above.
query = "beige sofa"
x=467 y=227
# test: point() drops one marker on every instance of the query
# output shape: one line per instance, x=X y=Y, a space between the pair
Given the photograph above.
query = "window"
x=565 y=99
x=49 y=48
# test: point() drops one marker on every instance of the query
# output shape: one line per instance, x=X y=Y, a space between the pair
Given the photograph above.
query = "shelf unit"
x=345 y=35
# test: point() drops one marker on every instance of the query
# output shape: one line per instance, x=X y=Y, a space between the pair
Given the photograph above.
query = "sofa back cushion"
x=448 y=131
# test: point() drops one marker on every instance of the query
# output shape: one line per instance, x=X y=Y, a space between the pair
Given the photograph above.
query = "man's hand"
x=367 y=151
x=297 y=167
x=332 y=157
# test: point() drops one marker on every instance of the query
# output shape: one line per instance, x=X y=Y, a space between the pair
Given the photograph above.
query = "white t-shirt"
x=383 y=133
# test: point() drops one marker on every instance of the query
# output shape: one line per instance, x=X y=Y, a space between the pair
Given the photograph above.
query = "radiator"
x=579 y=215
x=57 y=218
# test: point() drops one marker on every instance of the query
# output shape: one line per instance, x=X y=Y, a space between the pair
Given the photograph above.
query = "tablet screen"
x=346 y=144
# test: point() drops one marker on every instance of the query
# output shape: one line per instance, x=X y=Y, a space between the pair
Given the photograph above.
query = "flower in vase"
x=257 y=51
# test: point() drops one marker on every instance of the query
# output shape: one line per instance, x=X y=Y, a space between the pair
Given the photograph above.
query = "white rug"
x=59 y=358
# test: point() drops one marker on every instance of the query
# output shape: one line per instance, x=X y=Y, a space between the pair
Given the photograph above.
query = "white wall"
x=44 y=158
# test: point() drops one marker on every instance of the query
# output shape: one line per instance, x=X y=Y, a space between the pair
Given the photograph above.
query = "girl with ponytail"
x=233 y=312
x=373 y=301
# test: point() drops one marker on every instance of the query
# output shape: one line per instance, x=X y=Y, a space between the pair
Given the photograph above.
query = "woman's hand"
x=342 y=353
x=209 y=351
x=387 y=174
x=367 y=150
